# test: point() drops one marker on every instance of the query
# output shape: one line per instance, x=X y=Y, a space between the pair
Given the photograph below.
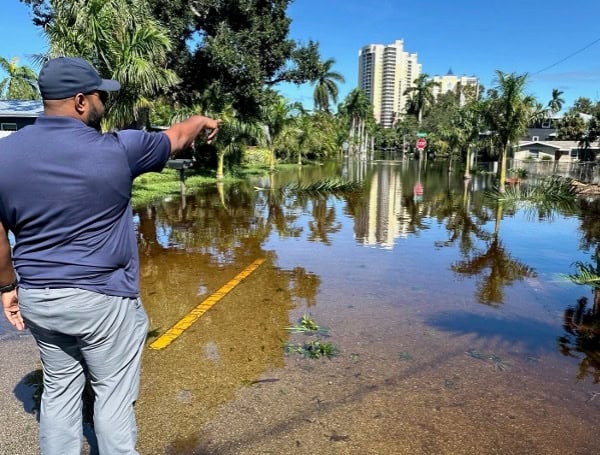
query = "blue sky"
x=556 y=42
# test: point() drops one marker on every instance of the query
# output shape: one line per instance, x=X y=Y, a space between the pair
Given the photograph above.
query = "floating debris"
x=475 y=354
x=246 y=382
x=338 y=437
x=314 y=349
x=499 y=364
x=308 y=325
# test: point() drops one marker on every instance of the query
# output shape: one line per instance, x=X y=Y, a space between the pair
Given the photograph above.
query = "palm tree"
x=556 y=103
x=510 y=111
x=358 y=108
x=124 y=42
x=421 y=95
x=326 y=88
x=471 y=123
x=277 y=116
x=233 y=132
x=21 y=82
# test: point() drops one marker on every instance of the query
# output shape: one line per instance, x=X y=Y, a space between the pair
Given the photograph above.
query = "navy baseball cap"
x=64 y=77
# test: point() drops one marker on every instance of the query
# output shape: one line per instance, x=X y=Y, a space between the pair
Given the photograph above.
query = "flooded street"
x=454 y=326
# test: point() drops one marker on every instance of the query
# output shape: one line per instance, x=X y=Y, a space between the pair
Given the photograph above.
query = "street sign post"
x=421 y=144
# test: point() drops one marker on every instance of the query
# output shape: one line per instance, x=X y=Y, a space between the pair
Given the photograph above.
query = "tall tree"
x=326 y=89
x=556 y=102
x=124 y=42
x=421 y=95
x=276 y=116
x=20 y=82
x=239 y=48
x=233 y=132
x=471 y=123
x=358 y=109
x=244 y=48
x=509 y=111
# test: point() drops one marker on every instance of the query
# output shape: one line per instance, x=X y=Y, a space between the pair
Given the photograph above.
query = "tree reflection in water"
x=186 y=253
x=582 y=325
x=502 y=271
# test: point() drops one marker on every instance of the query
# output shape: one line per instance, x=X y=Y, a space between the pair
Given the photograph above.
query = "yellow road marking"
x=170 y=335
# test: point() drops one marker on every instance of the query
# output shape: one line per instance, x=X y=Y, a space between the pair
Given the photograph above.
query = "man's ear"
x=81 y=103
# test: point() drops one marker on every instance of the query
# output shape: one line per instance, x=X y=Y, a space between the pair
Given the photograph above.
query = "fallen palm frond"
x=586 y=274
x=328 y=185
x=550 y=189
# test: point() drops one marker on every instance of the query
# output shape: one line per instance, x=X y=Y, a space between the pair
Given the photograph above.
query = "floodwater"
x=456 y=327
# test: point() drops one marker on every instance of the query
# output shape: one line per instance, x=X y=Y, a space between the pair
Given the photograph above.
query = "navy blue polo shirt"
x=65 y=194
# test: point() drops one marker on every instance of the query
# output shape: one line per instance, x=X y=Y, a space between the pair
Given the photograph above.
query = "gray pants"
x=78 y=331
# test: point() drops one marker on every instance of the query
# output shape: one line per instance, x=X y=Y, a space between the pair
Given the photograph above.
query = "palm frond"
x=321 y=186
x=586 y=274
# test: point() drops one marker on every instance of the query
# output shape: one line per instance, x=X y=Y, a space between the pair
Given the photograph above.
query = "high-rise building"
x=450 y=82
x=384 y=74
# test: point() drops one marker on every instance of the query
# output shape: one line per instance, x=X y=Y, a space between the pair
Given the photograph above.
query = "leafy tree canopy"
x=235 y=48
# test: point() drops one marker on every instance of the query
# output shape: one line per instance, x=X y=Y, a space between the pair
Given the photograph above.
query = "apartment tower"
x=451 y=82
x=384 y=74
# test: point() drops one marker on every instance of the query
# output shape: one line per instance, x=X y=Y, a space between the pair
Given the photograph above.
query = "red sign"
x=421 y=144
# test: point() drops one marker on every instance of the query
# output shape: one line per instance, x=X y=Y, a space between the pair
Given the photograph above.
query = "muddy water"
x=448 y=316
x=456 y=329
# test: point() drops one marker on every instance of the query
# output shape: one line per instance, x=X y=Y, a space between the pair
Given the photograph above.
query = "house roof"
x=559 y=145
x=19 y=108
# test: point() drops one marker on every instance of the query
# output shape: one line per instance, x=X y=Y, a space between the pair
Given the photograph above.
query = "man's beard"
x=95 y=118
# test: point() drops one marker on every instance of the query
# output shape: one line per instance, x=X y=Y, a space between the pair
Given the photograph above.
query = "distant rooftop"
x=18 y=108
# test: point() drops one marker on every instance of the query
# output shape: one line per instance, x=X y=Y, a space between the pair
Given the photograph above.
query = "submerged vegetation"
x=553 y=189
x=323 y=186
x=315 y=348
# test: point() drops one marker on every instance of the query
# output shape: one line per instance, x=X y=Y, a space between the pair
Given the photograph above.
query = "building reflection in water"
x=386 y=215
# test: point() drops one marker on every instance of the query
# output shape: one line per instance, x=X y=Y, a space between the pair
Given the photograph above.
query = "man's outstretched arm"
x=183 y=134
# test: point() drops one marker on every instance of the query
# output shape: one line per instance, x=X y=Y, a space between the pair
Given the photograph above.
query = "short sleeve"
x=146 y=152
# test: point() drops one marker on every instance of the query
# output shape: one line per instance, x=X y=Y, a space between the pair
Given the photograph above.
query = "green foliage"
x=325 y=85
x=323 y=186
x=314 y=349
x=518 y=172
x=553 y=189
x=243 y=49
x=20 y=82
x=308 y=325
x=586 y=274
x=155 y=185
x=256 y=156
x=421 y=96
x=124 y=42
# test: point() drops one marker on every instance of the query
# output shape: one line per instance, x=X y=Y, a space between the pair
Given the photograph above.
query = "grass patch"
x=154 y=185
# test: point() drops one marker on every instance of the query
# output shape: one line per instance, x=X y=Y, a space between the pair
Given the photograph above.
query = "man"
x=65 y=192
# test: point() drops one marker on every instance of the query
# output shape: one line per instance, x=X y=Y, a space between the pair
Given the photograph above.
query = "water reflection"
x=189 y=251
x=418 y=246
x=582 y=324
x=494 y=269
